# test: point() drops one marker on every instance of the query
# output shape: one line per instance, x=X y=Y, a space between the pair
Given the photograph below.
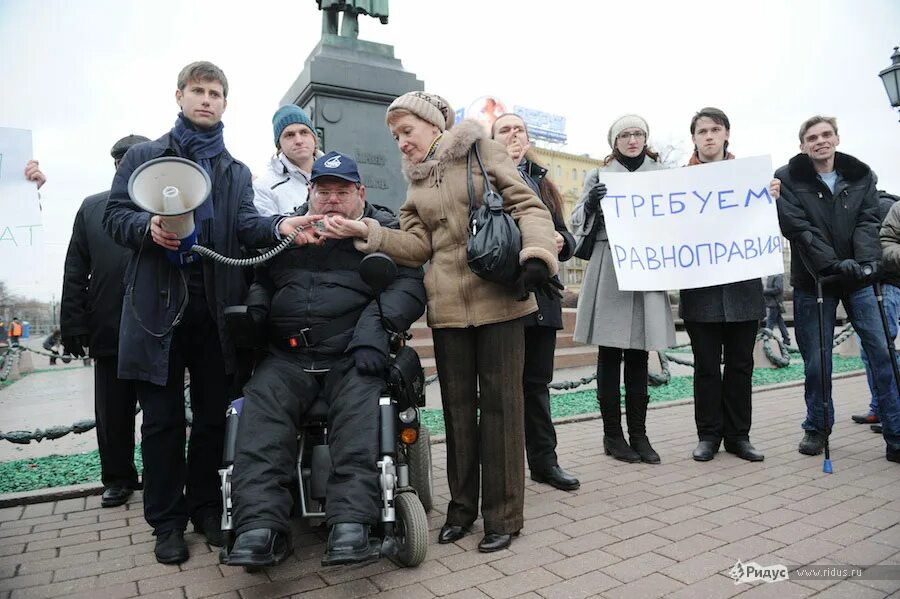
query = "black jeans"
x=176 y=487
x=114 y=403
x=609 y=364
x=276 y=398
x=722 y=401
x=540 y=436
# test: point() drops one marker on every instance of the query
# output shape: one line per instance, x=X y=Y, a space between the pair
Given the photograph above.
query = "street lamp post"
x=891 y=78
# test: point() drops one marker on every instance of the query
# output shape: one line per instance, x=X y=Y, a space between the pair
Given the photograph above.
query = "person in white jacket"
x=283 y=187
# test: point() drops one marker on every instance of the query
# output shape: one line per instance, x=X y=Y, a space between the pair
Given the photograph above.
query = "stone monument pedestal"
x=345 y=87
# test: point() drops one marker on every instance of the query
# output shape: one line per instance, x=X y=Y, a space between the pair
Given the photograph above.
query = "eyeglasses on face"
x=322 y=194
x=625 y=135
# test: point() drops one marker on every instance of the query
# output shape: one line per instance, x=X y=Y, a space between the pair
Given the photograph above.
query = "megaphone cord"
x=204 y=251
x=181 y=308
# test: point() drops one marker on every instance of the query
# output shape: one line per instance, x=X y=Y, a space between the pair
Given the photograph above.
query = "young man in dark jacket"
x=326 y=341
x=828 y=209
x=90 y=311
x=173 y=315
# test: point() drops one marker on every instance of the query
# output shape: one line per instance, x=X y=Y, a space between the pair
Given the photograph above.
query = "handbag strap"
x=484 y=175
x=469 y=182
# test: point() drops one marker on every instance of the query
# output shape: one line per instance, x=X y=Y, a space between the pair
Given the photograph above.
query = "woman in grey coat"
x=624 y=324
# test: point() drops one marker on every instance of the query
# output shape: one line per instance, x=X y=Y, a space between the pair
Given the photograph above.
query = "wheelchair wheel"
x=419 y=459
x=411 y=530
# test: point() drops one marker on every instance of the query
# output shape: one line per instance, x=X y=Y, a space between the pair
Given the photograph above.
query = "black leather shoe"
x=210 y=526
x=641 y=444
x=349 y=543
x=495 y=541
x=865 y=418
x=813 y=443
x=744 y=450
x=619 y=449
x=170 y=547
x=892 y=455
x=705 y=451
x=259 y=547
x=115 y=495
x=876 y=428
x=451 y=533
x=556 y=477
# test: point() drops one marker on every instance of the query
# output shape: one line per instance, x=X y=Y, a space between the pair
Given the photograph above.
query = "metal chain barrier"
x=654 y=379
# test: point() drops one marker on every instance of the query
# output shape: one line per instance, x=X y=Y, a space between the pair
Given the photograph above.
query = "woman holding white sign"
x=722 y=319
x=624 y=324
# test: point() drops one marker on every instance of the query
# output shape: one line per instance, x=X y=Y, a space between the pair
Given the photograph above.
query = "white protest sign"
x=21 y=242
x=693 y=227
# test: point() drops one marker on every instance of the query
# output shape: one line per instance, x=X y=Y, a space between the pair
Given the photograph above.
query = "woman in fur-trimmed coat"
x=478 y=329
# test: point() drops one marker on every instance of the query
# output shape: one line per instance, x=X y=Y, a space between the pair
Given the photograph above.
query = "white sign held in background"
x=21 y=239
x=693 y=227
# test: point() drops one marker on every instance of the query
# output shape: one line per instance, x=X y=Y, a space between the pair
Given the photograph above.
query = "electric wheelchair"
x=404 y=464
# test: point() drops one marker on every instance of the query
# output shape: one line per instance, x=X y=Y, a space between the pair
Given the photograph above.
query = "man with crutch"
x=828 y=209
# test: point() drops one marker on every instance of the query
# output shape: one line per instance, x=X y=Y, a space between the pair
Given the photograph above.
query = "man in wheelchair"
x=325 y=340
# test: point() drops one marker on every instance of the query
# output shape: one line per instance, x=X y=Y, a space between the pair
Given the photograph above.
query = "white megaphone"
x=173 y=188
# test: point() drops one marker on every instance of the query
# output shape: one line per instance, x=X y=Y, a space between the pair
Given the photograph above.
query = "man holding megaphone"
x=166 y=194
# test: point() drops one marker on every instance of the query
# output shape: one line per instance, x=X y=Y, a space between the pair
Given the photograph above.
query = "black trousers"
x=480 y=368
x=277 y=396
x=540 y=436
x=609 y=395
x=179 y=487
x=722 y=401
x=114 y=404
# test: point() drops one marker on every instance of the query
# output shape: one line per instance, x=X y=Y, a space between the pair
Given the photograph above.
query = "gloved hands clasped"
x=535 y=276
x=595 y=194
x=854 y=271
x=370 y=361
x=74 y=345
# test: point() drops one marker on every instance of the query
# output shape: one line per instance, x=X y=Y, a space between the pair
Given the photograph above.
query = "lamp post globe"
x=891 y=78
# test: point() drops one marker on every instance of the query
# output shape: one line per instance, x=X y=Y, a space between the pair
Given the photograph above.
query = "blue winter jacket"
x=154 y=288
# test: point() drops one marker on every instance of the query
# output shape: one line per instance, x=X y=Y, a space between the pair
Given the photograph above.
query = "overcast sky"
x=82 y=74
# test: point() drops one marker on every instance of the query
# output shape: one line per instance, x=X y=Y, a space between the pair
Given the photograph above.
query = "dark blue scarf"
x=200 y=145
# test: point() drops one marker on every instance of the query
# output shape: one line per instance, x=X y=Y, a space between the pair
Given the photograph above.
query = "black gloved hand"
x=74 y=345
x=850 y=270
x=534 y=276
x=370 y=361
x=870 y=270
x=595 y=194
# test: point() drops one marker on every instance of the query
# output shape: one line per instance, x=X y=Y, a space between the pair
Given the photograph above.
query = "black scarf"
x=632 y=164
x=201 y=145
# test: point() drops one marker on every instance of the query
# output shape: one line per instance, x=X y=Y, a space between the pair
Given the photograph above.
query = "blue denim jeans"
x=891 y=296
x=863 y=311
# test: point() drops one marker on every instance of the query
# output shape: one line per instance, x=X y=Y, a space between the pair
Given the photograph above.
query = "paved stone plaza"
x=631 y=531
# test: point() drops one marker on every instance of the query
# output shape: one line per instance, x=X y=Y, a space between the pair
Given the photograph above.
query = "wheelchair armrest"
x=242 y=328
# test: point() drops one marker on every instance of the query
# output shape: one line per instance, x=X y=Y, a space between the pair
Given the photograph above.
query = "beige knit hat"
x=627 y=121
x=428 y=107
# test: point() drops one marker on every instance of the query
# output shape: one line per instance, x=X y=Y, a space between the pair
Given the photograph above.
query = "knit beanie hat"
x=627 y=121
x=428 y=107
x=288 y=115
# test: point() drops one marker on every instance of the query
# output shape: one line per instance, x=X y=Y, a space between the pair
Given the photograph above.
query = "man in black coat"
x=326 y=340
x=828 y=209
x=89 y=318
x=173 y=316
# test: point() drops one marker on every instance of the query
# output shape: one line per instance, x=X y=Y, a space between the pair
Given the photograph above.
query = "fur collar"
x=801 y=168
x=453 y=146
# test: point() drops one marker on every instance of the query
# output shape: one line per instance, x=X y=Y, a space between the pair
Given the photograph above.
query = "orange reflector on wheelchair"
x=409 y=435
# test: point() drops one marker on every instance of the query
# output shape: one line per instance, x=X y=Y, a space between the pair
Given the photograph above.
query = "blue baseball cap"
x=335 y=164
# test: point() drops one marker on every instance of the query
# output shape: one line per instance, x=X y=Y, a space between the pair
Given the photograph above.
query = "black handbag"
x=407 y=379
x=584 y=247
x=494 y=238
